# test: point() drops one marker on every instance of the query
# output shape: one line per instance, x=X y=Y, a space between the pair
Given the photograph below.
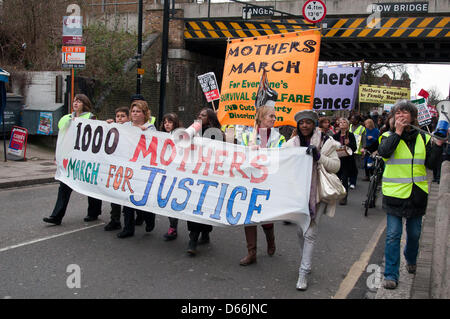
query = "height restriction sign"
x=314 y=11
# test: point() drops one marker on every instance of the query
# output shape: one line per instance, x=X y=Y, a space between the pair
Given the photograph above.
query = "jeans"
x=392 y=248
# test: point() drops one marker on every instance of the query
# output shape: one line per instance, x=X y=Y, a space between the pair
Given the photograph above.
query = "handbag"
x=344 y=151
x=330 y=187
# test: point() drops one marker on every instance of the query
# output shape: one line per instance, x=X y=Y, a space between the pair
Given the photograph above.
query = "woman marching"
x=140 y=115
x=323 y=150
x=348 y=164
x=264 y=136
x=209 y=120
x=169 y=124
x=82 y=108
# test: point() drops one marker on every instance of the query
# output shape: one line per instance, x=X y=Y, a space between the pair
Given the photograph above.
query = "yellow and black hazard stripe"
x=387 y=27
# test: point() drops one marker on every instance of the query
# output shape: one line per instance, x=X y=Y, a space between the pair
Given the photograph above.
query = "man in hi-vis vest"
x=407 y=153
x=359 y=131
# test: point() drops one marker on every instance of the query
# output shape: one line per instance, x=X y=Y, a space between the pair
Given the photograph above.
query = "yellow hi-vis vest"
x=403 y=169
x=66 y=118
x=152 y=120
x=358 y=137
x=271 y=143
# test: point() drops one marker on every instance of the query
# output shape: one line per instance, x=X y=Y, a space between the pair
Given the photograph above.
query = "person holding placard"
x=209 y=121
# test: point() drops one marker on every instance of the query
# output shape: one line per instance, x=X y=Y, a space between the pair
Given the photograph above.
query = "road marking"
x=359 y=266
x=46 y=238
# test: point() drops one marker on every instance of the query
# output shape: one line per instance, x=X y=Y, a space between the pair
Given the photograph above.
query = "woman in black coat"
x=209 y=120
x=348 y=164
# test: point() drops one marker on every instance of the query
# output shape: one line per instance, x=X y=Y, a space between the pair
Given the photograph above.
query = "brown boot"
x=250 y=236
x=270 y=237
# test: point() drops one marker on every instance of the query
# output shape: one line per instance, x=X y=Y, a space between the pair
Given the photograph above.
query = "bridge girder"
x=389 y=39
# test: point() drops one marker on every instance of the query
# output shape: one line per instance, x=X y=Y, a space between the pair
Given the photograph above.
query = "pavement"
x=39 y=168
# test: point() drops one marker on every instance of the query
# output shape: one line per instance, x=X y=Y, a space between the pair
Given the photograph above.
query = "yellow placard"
x=290 y=60
x=382 y=94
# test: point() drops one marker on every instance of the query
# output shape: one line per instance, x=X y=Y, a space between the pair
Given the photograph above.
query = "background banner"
x=208 y=181
x=336 y=88
x=290 y=60
x=382 y=94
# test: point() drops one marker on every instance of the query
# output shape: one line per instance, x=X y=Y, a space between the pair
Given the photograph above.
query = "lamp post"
x=164 y=56
x=139 y=50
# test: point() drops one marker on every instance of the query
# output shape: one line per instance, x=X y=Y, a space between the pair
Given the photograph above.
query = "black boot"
x=139 y=218
x=52 y=220
x=193 y=239
x=204 y=238
x=128 y=220
x=113 y=225
x=149 y=221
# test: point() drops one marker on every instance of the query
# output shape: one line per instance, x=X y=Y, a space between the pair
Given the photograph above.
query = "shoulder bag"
x=330 y=186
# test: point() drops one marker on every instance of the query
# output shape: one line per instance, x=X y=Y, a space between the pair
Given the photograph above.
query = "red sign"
x=18 y=142
x=212 y=95
x=314 y=11
x=74 y=49
x=72 y=40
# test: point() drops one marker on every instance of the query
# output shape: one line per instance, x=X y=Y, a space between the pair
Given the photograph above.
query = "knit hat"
x=306 y=114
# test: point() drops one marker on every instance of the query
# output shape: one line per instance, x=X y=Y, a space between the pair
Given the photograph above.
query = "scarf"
x=314 y=139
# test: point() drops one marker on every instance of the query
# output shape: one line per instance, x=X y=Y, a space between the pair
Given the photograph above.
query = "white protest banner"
x=423 y=114
x=208 y=181
x=336 y=88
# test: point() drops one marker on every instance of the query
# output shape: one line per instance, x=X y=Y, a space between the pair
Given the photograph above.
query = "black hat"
x=135 y=97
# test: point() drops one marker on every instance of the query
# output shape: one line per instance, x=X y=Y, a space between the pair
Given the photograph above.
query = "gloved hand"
x=312 y=150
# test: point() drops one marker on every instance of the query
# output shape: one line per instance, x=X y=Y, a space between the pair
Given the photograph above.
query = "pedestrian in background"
x=323 y=150
x=407 y=153
x=82 y=108
x=169 y=124
x=348 y=165
x=371 y=145
x=325 y=126
x=359 y=132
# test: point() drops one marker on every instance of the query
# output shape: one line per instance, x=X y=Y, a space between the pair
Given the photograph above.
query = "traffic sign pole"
x=72 y=89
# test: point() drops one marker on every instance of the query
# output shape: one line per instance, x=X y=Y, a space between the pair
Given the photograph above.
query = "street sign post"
x=314 y=11
x=74 y=57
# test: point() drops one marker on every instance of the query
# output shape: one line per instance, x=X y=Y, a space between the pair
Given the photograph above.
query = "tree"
x=434 y=96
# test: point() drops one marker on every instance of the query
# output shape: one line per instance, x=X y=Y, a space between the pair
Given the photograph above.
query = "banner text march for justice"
x=203 y=180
